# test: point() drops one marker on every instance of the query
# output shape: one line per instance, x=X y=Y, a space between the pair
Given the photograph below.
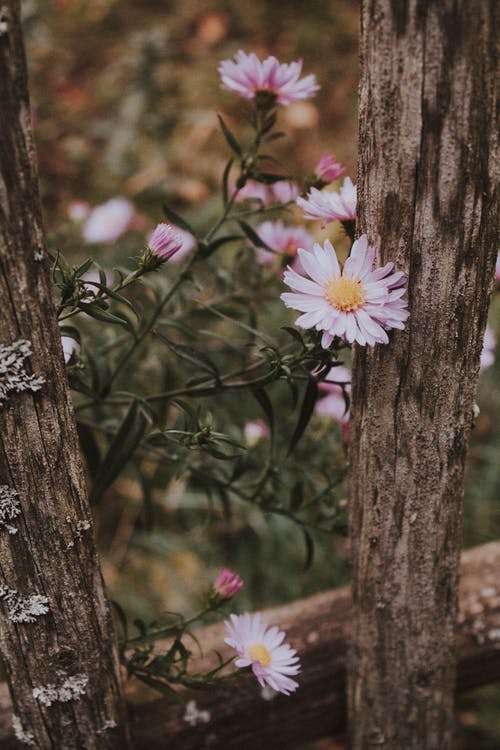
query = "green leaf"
x=297 y=496
x=225 y=180
x=89 y=447
x=95 y=311
x=193 y=356
x=265 y=402
x=122 y=448
x=306 y=410
x=268 y=178
x=295 y=335
x=309 y=542
x=232 y=142
x=176 y=219
x=275 y=136
x=253 y=236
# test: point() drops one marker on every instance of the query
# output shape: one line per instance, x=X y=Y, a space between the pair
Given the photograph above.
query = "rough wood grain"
x=319 y=627
x=427 y=200
x=69 y=644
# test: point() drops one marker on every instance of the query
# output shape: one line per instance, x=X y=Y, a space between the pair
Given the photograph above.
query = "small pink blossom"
x=78 y=210
x=282 y=239
x=188 y=244
x=333 y=404
x=285 y=191
x=227 y=584
x=165 y=241
x=358 y=303
x=248 y=76
x=328 y=169
x=107 y=222
x=262 y=649
x=255 y=431
x=252 y=190
x=497 y=268
x=328 y=205
x=488 y=352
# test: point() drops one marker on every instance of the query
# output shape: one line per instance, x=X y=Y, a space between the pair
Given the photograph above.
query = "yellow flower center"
x=344 y=294
x=258 y=652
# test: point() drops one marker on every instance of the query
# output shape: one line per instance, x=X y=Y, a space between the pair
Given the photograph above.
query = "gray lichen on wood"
x=23 y=608
x=70 y=689
x=10 y=508
x=22 y=734
x=13 y=375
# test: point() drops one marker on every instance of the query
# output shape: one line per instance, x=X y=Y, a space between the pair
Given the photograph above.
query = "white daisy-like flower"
x=328 y=205
x=262 y=649
x=358 y=303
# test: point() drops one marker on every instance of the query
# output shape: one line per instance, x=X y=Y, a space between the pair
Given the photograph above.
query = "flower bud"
x=227 y=584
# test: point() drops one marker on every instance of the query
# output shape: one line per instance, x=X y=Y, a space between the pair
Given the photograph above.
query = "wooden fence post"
x=427 y=148
x=56 y=633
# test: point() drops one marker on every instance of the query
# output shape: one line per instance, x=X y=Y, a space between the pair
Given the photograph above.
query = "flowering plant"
x=201 y=394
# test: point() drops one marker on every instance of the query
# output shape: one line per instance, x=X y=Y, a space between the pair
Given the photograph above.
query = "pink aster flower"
x=333 y=404
x=328 y=205
x=188 y=244
x=227 y=584
x=282 y=239
x=262 y=649
x=255 y=431
x=107 y=222
x=488 y=352
x=165 y=241
x=358 y=303
x=285 y=191
x=78 y=210
x=328 y=169
x=248 y=76
x=497 y=268
x=252 y=190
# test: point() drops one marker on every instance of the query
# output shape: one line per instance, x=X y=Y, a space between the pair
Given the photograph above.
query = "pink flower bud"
x=255 y=431
x=328 y=170
x=227 y=584
x=165 y=241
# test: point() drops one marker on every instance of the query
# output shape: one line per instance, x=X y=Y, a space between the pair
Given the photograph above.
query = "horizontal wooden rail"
x=240 y=718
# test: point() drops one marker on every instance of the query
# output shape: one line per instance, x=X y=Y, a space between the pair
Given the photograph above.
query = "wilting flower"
x=328 y=205
x=328 y=169
x=249 y=76
x=333 y=404
x=165 y=241
x=227 y=584
x=488 y=352
x=78 y=210
x=262 y=649
x=358 y=303
x=255 y=431
x=282 y=239
x=107 y=222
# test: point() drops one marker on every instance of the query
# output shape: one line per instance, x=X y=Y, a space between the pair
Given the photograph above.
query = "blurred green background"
x=124 y=96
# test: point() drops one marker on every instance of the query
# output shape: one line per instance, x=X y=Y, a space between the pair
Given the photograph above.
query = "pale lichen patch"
x=69 y=690
x=21 y=734
x=194 y=716
x=13 y=376
x=10 y=508
x=23 y=608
